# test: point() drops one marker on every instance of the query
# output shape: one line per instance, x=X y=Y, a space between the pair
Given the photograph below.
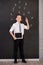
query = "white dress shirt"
x=15 y=28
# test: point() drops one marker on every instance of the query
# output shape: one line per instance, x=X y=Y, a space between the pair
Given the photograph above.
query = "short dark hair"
x=18 y=15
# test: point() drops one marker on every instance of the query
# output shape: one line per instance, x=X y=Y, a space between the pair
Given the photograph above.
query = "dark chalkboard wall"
x=8 y=11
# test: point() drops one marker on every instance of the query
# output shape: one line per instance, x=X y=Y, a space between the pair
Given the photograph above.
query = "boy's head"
x=18 y=18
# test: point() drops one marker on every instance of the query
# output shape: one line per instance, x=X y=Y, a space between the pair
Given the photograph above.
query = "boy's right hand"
x=15 y=38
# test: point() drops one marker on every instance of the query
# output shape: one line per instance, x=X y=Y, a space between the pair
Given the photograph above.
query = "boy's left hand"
x=26 y=20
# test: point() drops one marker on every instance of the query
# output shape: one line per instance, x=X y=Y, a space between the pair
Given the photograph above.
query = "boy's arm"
x=11 y=33
x=27 y=26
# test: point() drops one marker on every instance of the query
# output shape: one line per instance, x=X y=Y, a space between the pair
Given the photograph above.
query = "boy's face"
x=19 y=18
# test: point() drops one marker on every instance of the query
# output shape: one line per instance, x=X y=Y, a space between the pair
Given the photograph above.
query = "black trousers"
x=19 y=44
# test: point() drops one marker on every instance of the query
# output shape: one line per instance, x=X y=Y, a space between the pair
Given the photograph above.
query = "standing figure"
x=18 y=36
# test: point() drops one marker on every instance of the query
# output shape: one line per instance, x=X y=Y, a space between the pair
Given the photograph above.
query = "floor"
x=20 y=63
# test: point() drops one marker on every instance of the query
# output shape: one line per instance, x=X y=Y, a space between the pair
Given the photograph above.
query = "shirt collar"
x=18 y=22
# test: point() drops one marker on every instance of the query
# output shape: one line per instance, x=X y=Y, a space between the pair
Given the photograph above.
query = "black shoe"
x=24 y=61
x=15 y=61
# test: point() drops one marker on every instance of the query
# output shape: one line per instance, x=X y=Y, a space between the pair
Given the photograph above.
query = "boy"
x=18 y=29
